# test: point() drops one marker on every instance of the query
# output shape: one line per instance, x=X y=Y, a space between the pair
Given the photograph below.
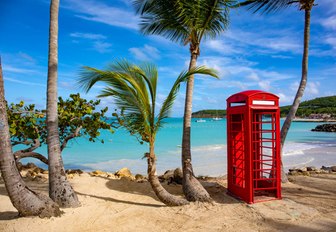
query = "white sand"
x=309 y=204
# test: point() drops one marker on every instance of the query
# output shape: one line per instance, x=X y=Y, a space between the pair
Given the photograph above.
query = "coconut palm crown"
x=186 y=22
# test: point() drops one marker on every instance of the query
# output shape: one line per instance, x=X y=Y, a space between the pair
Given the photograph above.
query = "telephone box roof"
x=244 y=95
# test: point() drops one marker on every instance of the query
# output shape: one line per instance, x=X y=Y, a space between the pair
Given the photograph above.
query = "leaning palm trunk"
x=60 y=189
x=27 y=202
x=160 y=192
x=300 y=91
x=192 y=188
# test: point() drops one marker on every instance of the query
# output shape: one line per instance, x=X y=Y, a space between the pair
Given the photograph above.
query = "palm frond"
x=266 y=6
x=183 y=77
x=133 y=89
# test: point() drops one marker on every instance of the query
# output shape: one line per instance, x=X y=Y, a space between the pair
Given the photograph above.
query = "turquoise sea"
x=303 y=147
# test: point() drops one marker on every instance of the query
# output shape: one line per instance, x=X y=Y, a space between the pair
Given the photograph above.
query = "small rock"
x=40 y=178
x=74 y=171
x=124 y=172
x=325 y=128
x=323 y=171
x=167 y=176
x=326 y=168
x=26 y=166
x=38 y=170
x=293 y=173
x=110 y=175
x=306 y=173
x=98 y=173
x=140 y=178
x=311 y=168
x=178 y=176
x=304 y=169
x=333 y=168
x=172 y=176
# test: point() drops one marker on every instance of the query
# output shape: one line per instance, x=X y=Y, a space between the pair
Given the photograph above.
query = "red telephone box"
x=253 y=146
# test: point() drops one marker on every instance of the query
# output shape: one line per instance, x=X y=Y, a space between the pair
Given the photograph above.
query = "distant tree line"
x=321 y=105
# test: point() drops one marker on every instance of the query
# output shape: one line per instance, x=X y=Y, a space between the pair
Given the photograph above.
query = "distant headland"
x=322 y=109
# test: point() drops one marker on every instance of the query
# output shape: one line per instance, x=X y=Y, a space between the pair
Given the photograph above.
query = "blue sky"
x=257 y=51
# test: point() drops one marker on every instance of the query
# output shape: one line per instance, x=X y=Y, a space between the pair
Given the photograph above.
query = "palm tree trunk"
x=300 y=91
x=192 y=188
x=27 y=202
x=60 y=189
x=160 y=192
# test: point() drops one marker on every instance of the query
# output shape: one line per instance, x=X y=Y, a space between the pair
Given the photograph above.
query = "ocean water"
x=209 y=150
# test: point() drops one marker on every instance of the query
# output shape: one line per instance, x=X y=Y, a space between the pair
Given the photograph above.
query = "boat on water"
x=217 y=118
x=200 y=120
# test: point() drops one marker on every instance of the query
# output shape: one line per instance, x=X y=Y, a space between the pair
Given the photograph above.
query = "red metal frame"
x=253 y=127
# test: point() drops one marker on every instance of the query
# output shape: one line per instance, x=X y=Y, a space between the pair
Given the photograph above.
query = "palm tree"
x=186 y=22
x=26 y=201
x=60 y=189
x=274 y=5
x=134 y=89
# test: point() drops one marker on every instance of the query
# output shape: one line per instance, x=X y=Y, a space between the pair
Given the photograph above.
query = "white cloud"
x=145 y=53
x=97 y=41
x=103 y=13
x=27 y=57
x=9 y=68
x=223 y=46
x=312 y=88
x=265 y=85
x=88 y=36
x=281 y=57
x=285 y=98
x=102 y=47
x=253 y=76
x=331 y=41
x=329 y=23
x=271 y=41
x=23 y=82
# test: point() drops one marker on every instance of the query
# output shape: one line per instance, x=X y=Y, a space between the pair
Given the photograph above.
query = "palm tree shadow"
x=218 y=191
x=120 y=201
x=8 y=215
x=132 y=187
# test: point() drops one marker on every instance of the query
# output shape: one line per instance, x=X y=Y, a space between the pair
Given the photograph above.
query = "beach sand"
x=308 y=204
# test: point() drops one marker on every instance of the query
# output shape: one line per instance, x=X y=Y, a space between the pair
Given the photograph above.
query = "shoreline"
x=212 y=160
x=313 y=120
